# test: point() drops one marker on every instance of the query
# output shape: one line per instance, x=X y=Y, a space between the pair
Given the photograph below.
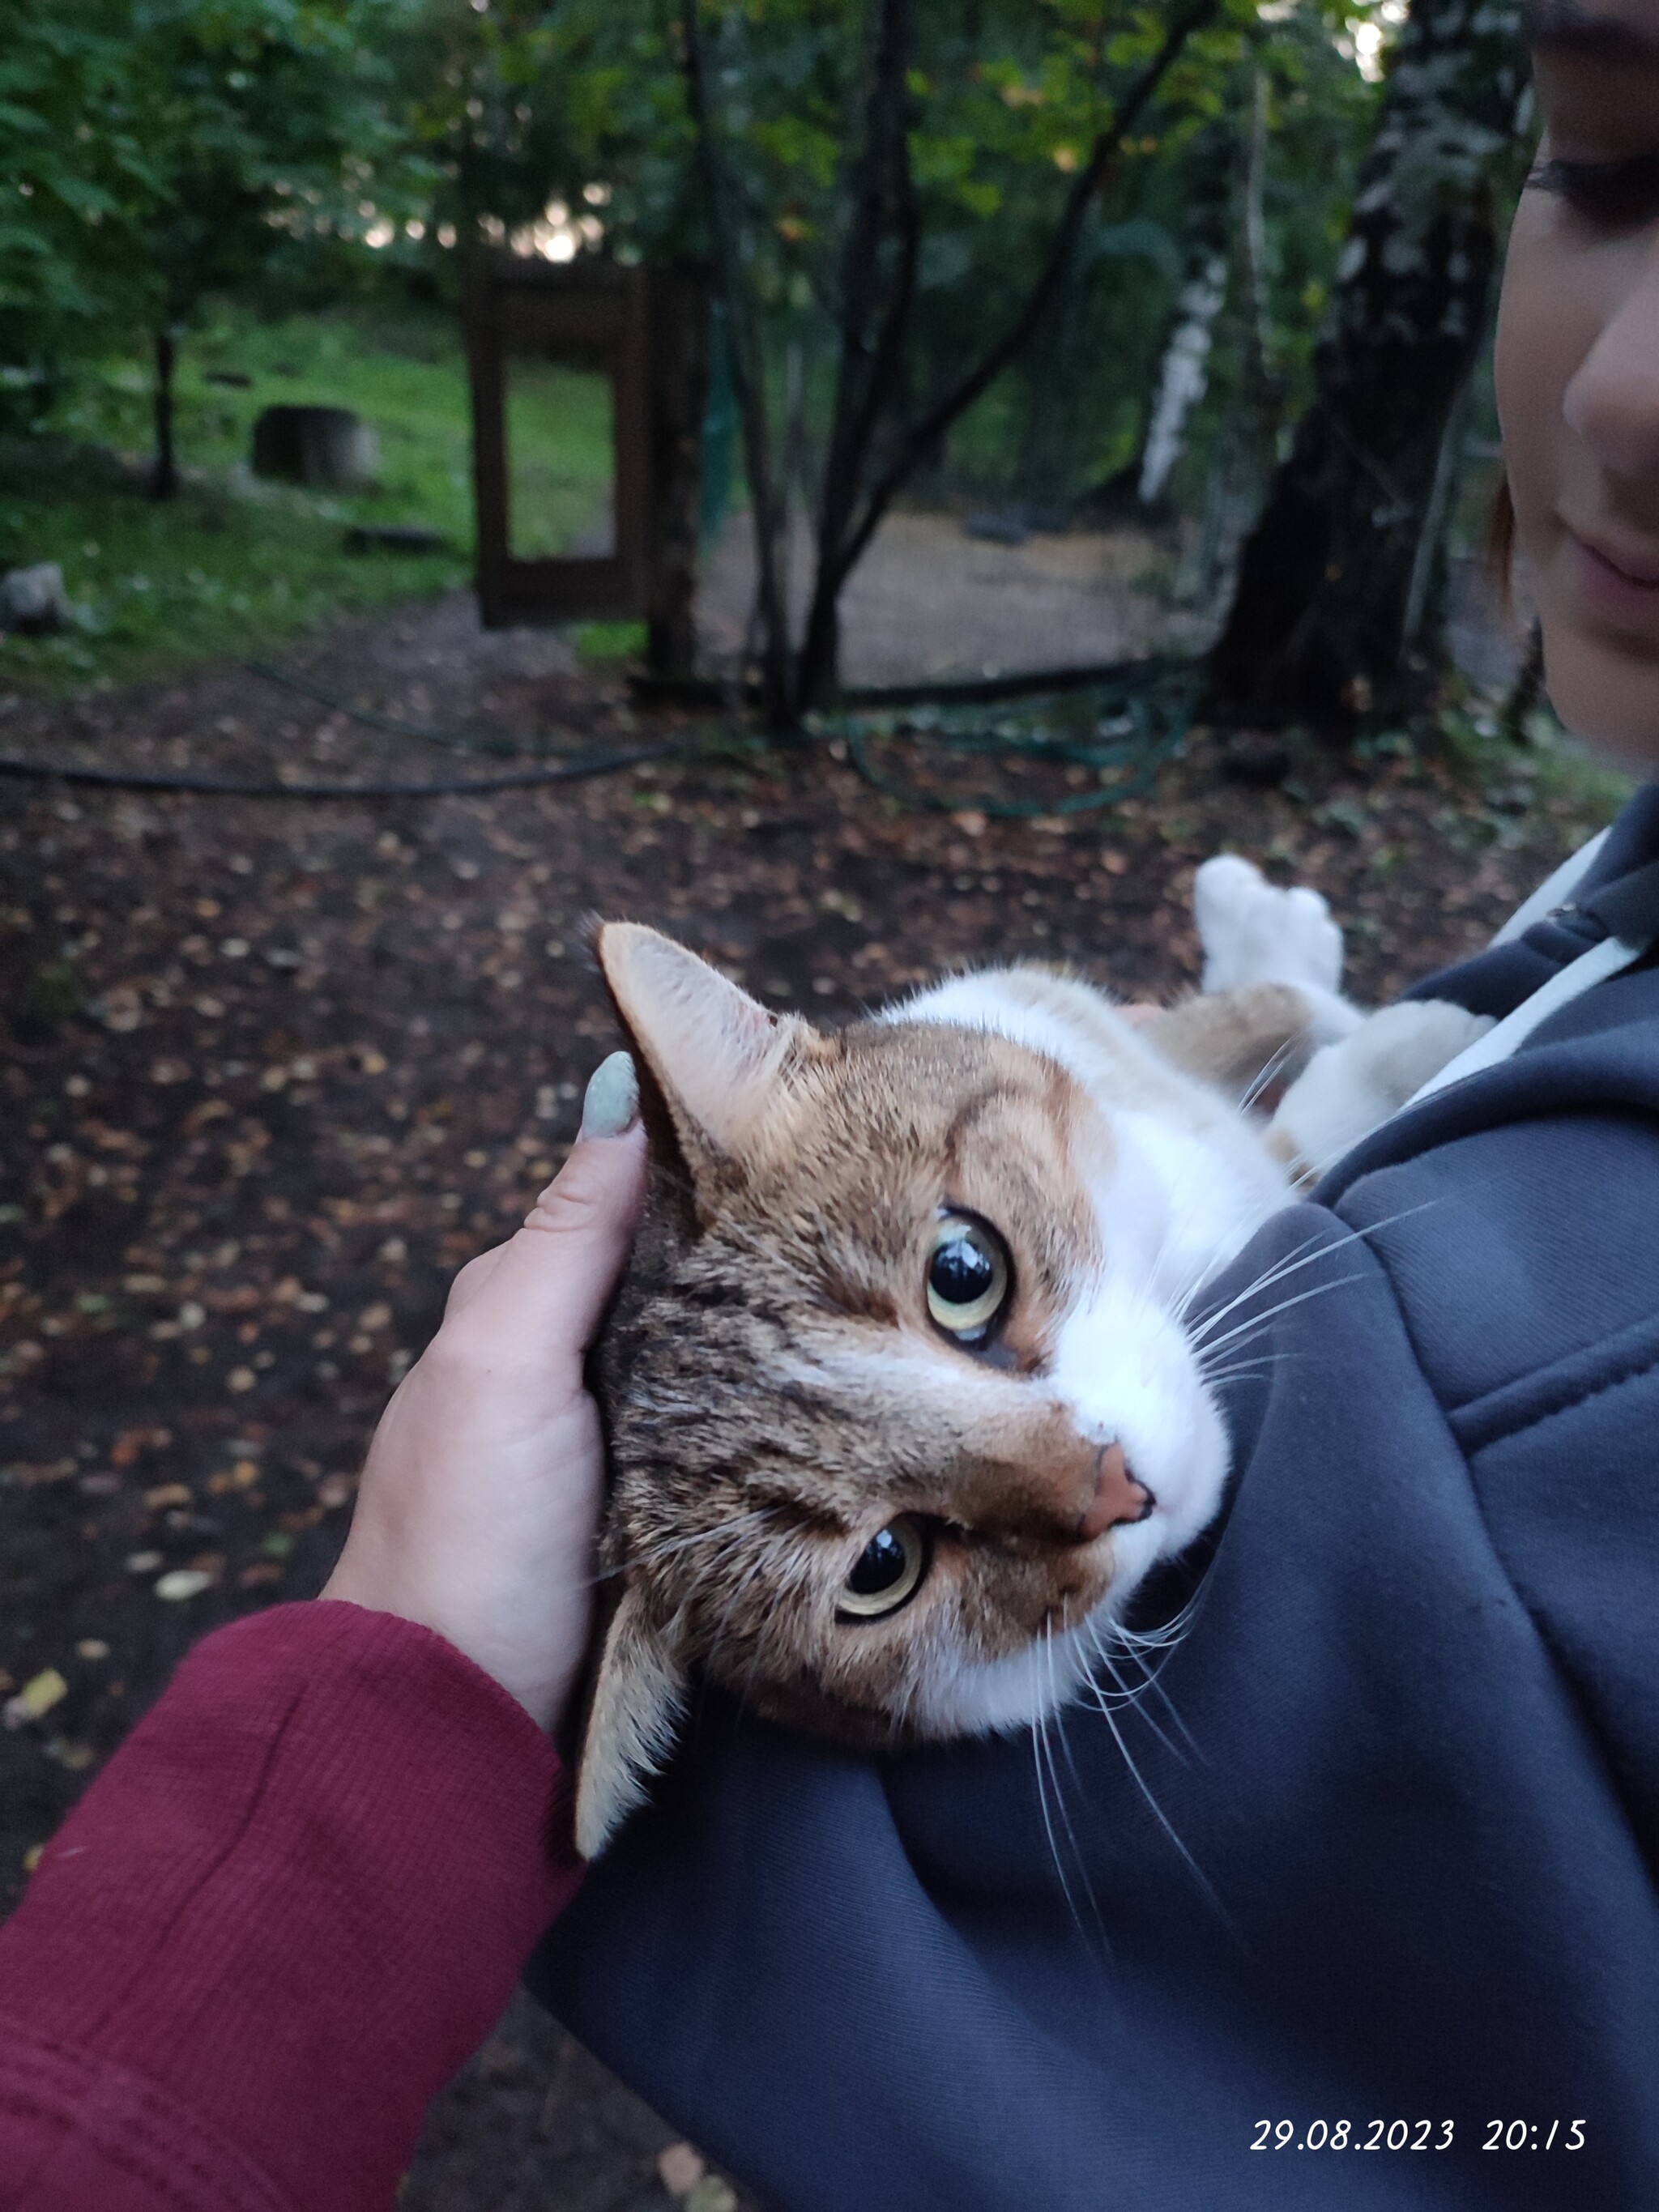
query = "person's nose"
x=1611 y=402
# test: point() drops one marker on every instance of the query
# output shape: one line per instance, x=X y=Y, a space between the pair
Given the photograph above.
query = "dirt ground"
x=272 y=1070
x=929 y=601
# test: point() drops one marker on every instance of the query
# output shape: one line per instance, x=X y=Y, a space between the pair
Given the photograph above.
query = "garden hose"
x=572 y=769
x=1139 y=727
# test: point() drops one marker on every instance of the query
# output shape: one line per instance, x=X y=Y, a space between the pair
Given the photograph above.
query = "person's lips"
x=1616 y=581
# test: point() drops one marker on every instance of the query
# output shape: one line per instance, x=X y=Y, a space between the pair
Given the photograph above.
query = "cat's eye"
x=887 y=1572
x=969 y=1277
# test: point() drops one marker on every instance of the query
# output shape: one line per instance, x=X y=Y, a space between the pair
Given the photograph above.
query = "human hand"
x=480 y=1499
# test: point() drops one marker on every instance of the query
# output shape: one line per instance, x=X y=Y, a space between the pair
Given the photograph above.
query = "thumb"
x=550 y=1283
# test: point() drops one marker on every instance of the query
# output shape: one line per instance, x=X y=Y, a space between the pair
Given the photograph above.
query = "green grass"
x=233 y=564
x=558 y=420
x=598 y=642
x=1551 y=770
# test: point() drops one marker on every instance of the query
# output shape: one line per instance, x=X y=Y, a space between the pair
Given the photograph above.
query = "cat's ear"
x=638 y=1698
x=715 y=1052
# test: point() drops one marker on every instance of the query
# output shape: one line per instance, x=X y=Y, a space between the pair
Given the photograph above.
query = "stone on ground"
x=32 y=600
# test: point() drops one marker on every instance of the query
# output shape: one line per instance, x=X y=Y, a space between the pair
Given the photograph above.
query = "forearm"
x=277 y=1924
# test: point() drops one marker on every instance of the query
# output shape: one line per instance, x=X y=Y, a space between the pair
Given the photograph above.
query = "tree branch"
x=1193 y=18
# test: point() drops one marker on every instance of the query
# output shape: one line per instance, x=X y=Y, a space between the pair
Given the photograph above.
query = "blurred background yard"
x=155 y=583
x=1141 y=351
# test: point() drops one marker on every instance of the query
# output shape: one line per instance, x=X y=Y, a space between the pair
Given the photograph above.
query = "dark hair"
x=1500 y=542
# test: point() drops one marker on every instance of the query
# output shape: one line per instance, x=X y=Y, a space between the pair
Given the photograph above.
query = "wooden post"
x=647 y=331
x=677 y=325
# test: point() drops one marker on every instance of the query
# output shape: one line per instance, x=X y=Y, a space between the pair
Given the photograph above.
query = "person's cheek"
x=1538 y=348
x=1559 y=298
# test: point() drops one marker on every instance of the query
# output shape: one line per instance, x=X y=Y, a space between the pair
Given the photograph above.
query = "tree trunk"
x=164 y=473
x=1253 y=241
x=1183 y=377
x=1338 y=608
x=679 y=375
x=1242 y=461
x=749 y=383
x=1183 y=368
x=875 y=308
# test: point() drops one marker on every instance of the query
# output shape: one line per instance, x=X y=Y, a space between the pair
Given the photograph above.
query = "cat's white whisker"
x=1305 y=1254
x=1274 y=1062
x=1177 y=1625
x=1133 y=1695
x=1246 y=1330
x=1193 y=1867
x=1040 y=1736
x=1167 y=1633
x=1259 y=1370
x=1258 y=1361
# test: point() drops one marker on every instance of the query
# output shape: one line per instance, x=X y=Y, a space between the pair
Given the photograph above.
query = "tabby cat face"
x=898 y=1404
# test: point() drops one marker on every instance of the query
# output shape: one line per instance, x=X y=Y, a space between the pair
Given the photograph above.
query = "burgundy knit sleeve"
x=293 y=1904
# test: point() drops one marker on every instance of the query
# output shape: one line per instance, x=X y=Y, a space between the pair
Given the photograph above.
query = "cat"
x=900 y=1406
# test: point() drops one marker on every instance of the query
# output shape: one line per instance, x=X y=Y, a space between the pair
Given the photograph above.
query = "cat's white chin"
x=992 y=1696
x=989 y=1696
x=995 y=1697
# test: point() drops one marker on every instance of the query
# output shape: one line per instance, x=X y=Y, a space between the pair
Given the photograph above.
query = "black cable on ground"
x=710 y=693
x=1145 y=711
x=577 y=767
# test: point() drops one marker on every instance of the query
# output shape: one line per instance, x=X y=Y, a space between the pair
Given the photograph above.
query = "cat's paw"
x=1353 y=1087
x=1254 y=932
x=1398 y=1050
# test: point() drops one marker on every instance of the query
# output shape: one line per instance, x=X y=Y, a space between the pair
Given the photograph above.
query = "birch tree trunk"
x=1183 y=377
x=1339 y=609
x=1184 y=366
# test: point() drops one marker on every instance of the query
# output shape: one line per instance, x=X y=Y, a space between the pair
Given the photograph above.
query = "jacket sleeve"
x=279 y=1921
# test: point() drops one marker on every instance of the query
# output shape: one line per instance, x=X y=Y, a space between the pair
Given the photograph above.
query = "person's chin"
x=1603 y=683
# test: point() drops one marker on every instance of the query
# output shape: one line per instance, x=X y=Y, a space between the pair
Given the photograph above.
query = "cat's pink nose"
x=1118 y=1497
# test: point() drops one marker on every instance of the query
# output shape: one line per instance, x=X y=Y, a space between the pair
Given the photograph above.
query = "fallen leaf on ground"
x=36 y=1698
x=183 y=1582
x=680 y=2168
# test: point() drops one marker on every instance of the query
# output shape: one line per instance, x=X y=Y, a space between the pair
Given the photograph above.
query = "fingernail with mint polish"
x=612 y=1104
